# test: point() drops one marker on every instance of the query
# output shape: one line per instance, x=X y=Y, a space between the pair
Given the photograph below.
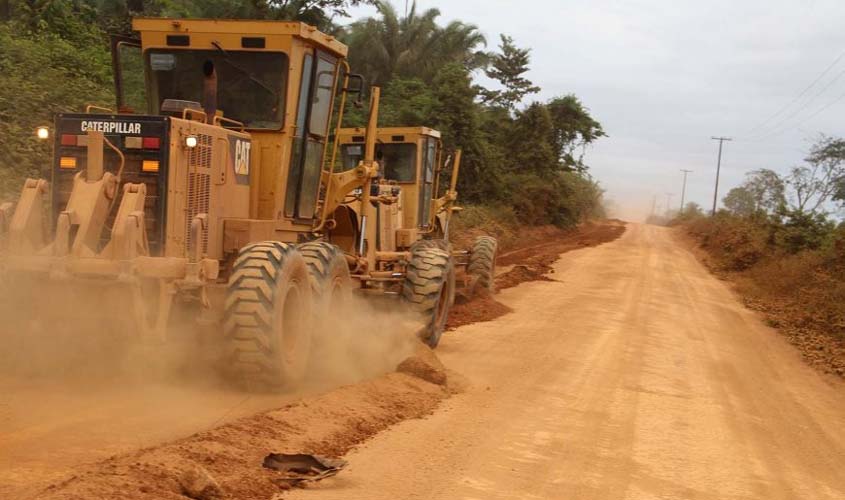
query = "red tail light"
x=68 y=140
x=152 y=143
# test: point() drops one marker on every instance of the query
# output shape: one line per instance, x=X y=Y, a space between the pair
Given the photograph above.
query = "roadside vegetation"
x=523 y=161
x=783 y=240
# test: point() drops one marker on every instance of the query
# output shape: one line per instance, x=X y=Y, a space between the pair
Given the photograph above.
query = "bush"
x=477 y=220
x=800 y=231
x=42 y=75
x=565 y=199
x=737 y=243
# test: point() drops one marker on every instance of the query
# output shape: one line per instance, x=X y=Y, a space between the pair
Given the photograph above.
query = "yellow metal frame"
x=441 y=207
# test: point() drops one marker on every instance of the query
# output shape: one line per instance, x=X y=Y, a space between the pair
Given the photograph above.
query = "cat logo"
x=242 y=157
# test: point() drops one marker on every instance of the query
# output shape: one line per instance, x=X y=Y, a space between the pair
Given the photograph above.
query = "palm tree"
x=413 y=46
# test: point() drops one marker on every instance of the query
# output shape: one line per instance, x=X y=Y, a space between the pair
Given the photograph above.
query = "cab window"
x=397 y=161
x=250 y=85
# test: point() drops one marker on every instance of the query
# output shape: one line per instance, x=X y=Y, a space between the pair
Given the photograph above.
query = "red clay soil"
x=532 y=260
x=227 y=460
x=480 y=308
x=819 y=348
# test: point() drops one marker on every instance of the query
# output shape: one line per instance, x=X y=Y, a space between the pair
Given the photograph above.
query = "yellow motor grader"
x=210 y=193
x=412 y=162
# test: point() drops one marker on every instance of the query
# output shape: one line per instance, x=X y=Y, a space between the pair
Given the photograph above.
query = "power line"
x=800 y=95
x=805 y=120
x=803 y=108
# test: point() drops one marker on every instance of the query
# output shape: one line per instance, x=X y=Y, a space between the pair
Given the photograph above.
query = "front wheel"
x=429 y=288
x=268 y=315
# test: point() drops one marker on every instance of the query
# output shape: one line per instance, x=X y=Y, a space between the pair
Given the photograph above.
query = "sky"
x=664 y=76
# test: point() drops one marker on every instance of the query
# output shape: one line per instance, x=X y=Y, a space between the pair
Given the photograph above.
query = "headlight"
x=42 y=133
x=191 y=141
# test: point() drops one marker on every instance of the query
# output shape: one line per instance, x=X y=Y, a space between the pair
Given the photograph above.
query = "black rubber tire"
x=446 y=247
x=441 y=244
x=482 y=262
x=331 y=283
x=430 y=288
x=268 y=315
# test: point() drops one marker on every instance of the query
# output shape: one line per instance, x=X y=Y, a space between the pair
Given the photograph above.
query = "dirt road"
x=636 y=375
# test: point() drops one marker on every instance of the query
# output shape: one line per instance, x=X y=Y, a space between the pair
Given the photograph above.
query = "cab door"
x=316 y=95
x=429 y=157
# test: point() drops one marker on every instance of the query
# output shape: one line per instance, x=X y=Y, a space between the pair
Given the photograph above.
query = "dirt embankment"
x=797 y=295
x=225 y=462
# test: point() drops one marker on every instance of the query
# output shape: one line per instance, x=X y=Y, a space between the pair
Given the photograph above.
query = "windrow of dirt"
x=226 y=462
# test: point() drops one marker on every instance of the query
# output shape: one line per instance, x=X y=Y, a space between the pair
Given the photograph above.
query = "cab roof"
x=245 y=27
x=391 y=131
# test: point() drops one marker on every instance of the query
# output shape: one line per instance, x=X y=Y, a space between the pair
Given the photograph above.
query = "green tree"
x=414 y=46
x=821 y=179
x=740 y=202
x=573 y=130
x=42 y=75
x=457 y=120
x=530 y=146
x=408 y=103
x=692 y=209
x=508 y=68
x=767 y=189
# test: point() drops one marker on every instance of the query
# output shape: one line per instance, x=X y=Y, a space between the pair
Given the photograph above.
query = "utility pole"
x=684 y=189
x=668 y=203
x=718 y=169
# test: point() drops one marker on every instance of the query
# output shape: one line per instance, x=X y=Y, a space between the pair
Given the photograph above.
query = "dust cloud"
x=361 y=339
x=78 y=385
x=84 y=335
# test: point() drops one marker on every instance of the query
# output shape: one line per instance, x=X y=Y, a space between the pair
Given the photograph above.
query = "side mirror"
x=355 y=85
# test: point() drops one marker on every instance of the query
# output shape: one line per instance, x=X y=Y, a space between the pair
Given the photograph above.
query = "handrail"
x=192 y=111
x=89 y=107
x=326 y=173
x=218 y=121
x=119 y=154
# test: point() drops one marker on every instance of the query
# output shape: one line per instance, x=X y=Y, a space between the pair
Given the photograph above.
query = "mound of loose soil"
x=231 y=455
x=481 y=308
x=424 y=364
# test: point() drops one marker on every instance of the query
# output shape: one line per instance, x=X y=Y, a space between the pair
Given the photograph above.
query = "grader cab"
x=210 y=192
